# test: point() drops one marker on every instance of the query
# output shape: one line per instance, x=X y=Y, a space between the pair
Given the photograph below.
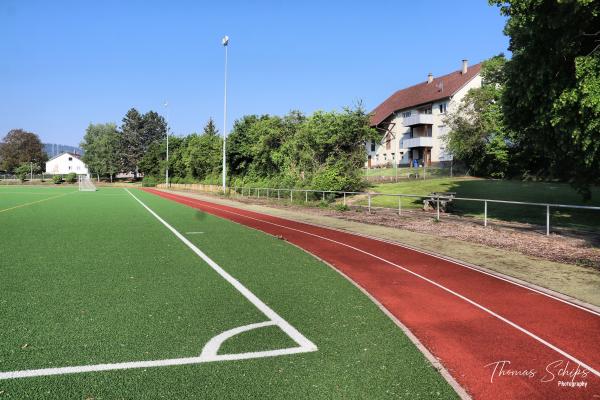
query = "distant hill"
x=53 y=149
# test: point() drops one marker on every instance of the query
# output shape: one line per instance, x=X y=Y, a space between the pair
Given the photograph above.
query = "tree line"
x=325 y=150
x=537 y=115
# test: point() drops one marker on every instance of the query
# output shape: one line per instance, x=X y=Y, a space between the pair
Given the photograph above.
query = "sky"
x=66 y=64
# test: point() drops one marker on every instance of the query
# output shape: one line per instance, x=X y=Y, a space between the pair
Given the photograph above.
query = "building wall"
x=382 y=155
x=62 y=165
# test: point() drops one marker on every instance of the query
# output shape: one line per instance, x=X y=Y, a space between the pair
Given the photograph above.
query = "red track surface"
x=450 y=308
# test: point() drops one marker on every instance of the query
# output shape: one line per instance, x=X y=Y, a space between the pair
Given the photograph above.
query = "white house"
x=66 y=163
x=412 y=120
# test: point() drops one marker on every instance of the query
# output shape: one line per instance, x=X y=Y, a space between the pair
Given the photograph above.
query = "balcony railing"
x=423 y=141
x=418 y=119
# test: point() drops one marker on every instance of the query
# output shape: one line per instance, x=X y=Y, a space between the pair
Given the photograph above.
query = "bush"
x=22 y=171
x=342 y=207
x=57 y=179
x=149 y=181
x=71 y=178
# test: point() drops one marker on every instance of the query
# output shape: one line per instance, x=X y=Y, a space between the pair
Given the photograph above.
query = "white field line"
x=258 y=303
x=208 y=356
x=483 y=308
x=210 y=350
x=35 y=202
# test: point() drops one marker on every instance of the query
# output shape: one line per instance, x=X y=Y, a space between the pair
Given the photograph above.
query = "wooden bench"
x=445 y=199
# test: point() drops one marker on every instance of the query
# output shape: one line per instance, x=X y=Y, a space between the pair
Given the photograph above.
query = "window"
x=429 y=130
x=372 y=146
x=406 y=114
x=443 y=108
x=70 y=158
x=425 y=110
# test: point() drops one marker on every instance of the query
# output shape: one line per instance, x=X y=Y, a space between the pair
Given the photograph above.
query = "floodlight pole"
x=167 y=166
x=225 y=42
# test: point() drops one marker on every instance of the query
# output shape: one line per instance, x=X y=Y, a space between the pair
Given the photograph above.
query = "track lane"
x=462 y=336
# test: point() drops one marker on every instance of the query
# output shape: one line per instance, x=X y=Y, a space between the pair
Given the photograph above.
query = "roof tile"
x=422 y=93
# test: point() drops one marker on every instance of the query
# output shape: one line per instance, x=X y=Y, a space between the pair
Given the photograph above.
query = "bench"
x=445 y=199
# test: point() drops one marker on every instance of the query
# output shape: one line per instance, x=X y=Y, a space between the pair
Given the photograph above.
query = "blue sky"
x=64 y=64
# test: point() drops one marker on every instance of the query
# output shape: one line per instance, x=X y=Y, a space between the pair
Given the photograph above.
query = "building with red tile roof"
x=412 y=120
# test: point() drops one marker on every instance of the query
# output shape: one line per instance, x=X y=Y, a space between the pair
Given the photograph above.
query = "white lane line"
x=292 y=332
x=483 y=308
x=193 y=233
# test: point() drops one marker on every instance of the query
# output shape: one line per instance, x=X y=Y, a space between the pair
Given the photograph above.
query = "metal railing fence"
x=303 y=194
x=312 y=195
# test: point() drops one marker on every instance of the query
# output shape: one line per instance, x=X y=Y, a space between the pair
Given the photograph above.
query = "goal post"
x=85 y=184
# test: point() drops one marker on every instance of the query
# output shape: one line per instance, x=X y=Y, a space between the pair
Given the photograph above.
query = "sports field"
x=123 y=294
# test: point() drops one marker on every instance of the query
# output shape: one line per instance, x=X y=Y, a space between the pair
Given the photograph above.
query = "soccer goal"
x=85 y=184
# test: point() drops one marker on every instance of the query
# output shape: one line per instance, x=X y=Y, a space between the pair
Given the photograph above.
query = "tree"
x=550 y=40
x=239 y=144
x=138 y=133
x=202 y=154
x=328 y=150
x=101 y=149
x=577 y=110
x=477 y=134
x=20 y=146
x=210 y=128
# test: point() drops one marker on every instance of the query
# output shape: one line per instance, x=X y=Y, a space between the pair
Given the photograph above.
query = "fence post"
x=278 y=194
x=485 y=213
x=291 y=195
x=323 y=196
x=369 y=195
x=438 y=207
x=547 y=219
x=344 y=198
x=258 y=193
x=399 y=206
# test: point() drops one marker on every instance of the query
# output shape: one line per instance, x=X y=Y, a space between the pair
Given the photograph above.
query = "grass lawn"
x=539 y=192
x=403 y=172
x=92 y=277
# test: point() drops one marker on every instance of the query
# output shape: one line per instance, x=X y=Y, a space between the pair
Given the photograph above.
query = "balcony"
x=418 y=119
x=422 y=141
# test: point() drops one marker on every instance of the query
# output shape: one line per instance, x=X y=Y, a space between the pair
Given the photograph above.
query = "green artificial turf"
x=536 y=192
x=92 y=277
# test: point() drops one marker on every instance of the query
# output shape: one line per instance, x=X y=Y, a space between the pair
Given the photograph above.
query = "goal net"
x=85 y=184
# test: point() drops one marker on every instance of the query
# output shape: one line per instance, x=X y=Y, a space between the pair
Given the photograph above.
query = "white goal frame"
x=85 y=184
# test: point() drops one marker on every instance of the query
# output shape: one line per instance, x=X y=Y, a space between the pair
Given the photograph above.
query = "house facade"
x=66 y=163
x=412 y=120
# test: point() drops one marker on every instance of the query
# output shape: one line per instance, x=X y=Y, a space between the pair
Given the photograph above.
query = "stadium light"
x=167 y=166
x=225 y=42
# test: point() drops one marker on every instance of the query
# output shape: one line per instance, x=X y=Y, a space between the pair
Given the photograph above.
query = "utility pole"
x=167 y=166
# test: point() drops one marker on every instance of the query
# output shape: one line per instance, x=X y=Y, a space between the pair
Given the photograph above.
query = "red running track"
x=499 y=340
